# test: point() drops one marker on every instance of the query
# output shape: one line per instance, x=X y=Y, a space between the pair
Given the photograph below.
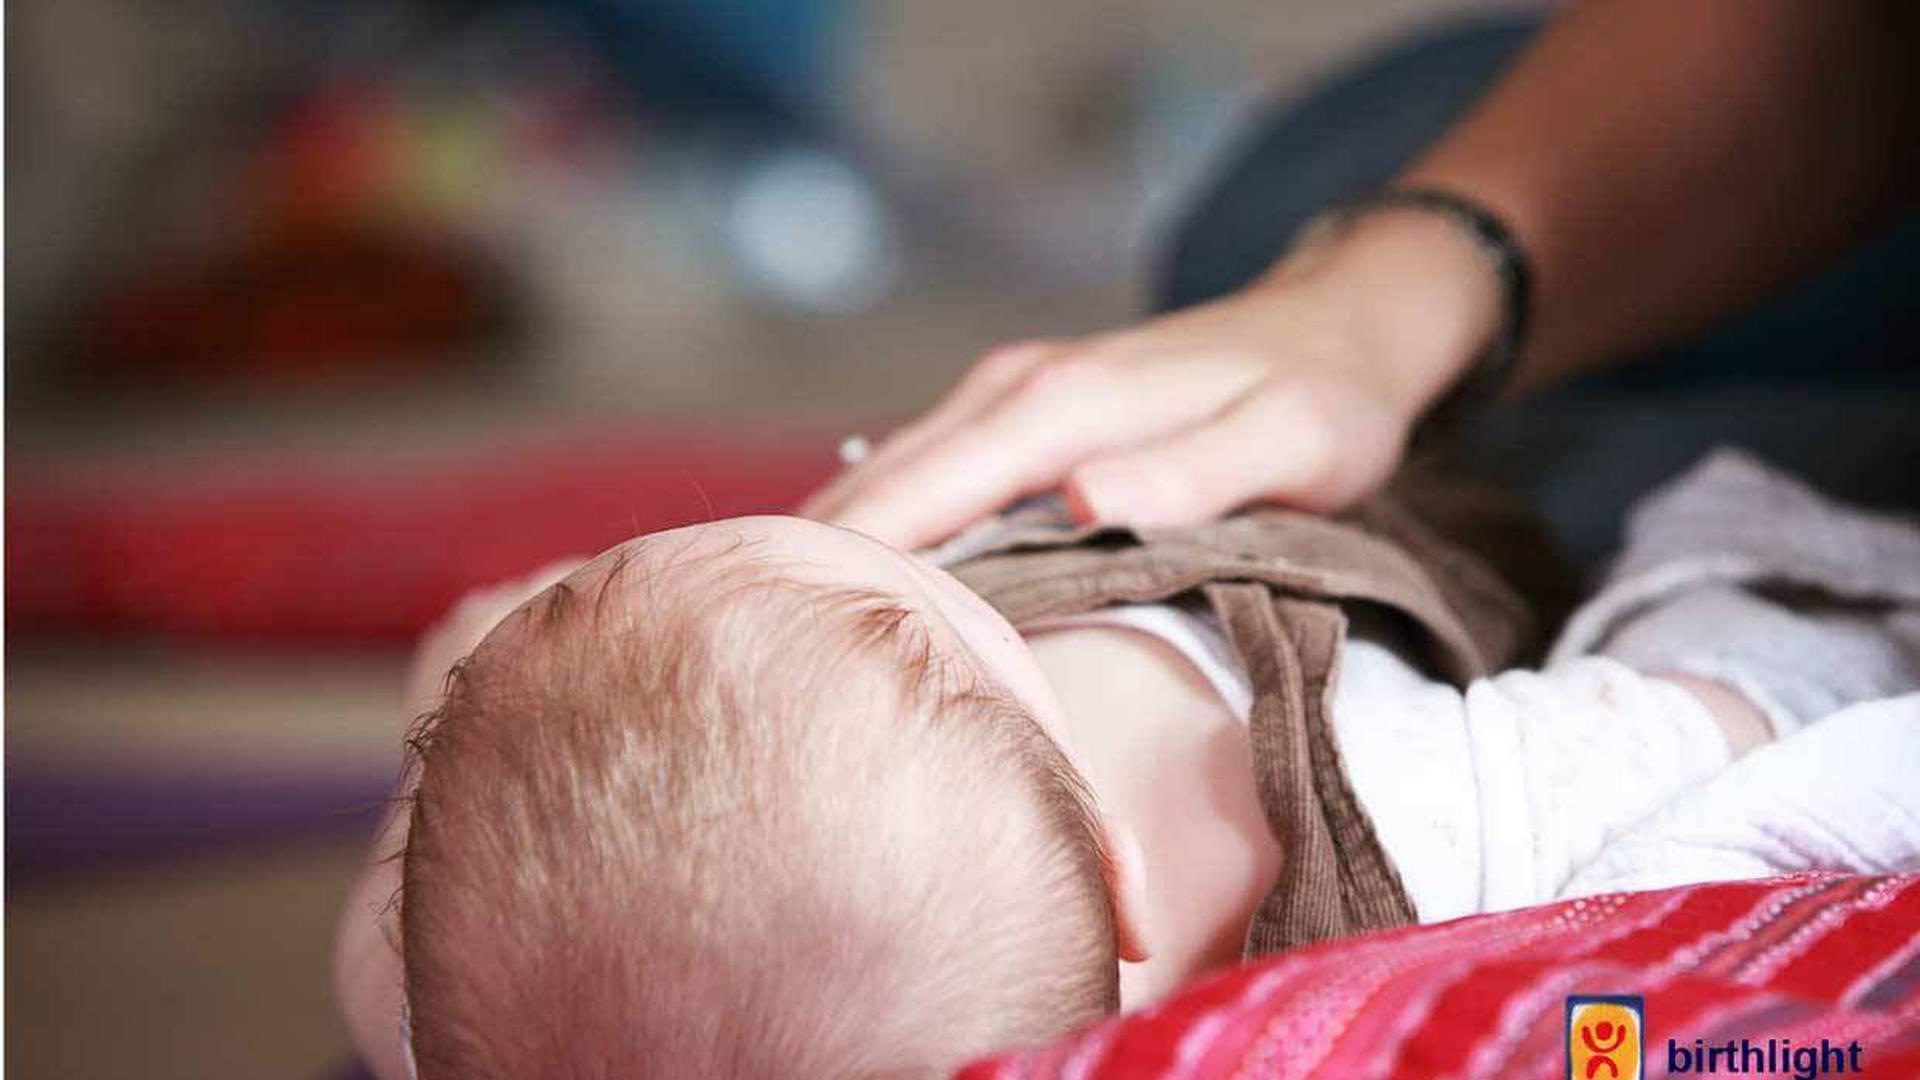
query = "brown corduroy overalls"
x=1281 y=584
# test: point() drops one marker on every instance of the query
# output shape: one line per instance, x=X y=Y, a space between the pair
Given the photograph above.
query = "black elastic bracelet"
x=1490 y=371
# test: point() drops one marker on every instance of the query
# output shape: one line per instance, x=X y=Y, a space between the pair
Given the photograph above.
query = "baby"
x=764 y=797
x=759 y=798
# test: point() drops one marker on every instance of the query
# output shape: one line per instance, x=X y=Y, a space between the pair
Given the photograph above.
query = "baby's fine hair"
x=705 y=818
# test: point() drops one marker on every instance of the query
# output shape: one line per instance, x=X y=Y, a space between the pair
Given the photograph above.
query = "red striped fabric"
x=1802 y=958
x=287 y=550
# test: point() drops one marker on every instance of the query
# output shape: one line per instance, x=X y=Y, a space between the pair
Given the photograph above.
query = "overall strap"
x=1335 y=879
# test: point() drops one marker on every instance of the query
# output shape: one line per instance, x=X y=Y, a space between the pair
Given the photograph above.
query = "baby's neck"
x=1166 y=757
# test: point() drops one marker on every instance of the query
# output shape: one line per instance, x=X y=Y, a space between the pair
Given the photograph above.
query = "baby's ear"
x=1126 y=875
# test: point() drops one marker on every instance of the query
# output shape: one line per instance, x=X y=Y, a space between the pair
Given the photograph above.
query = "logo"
x=1605 y=1036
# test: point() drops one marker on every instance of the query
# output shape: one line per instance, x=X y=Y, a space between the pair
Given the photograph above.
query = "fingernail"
x=1081 y=502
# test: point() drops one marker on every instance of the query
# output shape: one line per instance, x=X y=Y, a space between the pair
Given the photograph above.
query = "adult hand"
x=1300 y=389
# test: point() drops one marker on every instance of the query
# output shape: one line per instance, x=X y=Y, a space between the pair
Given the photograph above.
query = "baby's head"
x=756 y=798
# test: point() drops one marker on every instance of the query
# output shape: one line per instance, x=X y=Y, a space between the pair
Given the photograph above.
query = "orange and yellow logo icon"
x=1605 y=1037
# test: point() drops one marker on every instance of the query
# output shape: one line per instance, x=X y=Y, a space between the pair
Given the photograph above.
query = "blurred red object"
x=348 y=249
x=1801 y=958
x=300 y=552
x=319 y=301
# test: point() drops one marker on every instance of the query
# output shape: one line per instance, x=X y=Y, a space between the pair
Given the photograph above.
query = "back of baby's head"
x=720 y=821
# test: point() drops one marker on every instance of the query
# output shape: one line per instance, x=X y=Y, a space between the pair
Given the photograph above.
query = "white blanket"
x=1842 y=794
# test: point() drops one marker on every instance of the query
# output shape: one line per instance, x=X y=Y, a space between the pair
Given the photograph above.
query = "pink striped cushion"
x=1802 y=958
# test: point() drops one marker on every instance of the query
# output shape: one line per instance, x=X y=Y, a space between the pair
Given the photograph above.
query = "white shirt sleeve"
x=1493 y=799
x=1570 y=759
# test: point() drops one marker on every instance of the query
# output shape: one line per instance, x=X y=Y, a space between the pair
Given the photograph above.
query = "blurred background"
x=319 y=313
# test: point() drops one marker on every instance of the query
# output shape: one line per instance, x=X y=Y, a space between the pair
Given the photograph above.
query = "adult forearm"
x=1665 y=163
x=1662 y=161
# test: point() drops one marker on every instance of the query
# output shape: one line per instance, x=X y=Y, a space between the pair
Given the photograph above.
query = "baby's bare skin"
x=1744 y=725
x=1166 y=754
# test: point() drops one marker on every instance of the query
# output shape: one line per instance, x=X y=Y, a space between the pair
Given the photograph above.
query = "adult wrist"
x=1437 y=293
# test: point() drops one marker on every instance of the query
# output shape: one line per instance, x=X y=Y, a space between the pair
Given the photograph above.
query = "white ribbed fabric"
x=1569 y=760
x=1495 y=798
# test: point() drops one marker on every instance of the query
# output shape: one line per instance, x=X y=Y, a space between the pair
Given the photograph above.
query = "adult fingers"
x=992 y=376
x=1027 y=441
x=1277 y=442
